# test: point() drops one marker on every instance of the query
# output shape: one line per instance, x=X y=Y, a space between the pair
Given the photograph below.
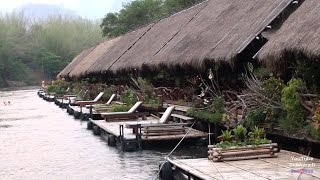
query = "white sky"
x=92 y=9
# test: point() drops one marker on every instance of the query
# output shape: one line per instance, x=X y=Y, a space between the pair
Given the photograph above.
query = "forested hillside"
x=34 y=50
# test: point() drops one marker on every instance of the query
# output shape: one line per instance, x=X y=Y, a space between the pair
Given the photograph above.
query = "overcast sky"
x=92 y=9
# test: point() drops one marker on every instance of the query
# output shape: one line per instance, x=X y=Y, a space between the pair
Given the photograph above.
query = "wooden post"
x=209 y=134
x=91 y=107
x=121 y=137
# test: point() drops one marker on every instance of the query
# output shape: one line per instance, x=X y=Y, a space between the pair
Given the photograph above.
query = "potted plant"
x=239 y=144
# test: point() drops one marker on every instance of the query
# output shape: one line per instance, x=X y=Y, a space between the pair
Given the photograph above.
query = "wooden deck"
x=84 y=110
x=182 y=109
x=285 y=166
x=113 y=128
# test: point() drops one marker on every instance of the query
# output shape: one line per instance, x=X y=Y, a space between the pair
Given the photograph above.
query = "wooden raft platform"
x=285 y=166
x=113 y=128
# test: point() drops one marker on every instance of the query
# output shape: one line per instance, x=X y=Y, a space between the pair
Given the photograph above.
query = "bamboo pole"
x=243 y=147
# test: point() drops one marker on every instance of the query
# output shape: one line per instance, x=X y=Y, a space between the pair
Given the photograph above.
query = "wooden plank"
x=263 y=168
x=168 y=128
x=244 y=147
x=186 y=118
x=163 y=130
x=177 y=107
x=135 y=115
x=147 y=135
x=163 y=125
x=189 y=169
x=191 y=135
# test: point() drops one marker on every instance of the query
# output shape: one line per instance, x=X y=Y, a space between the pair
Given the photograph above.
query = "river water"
x=38 y=140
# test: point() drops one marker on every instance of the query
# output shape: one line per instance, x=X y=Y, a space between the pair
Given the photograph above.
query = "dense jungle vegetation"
x=33 y=50
x=141 y=12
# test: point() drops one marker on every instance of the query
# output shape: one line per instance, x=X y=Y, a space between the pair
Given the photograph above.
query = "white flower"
x=201 y=95
x=205 y=102
x=210 y=74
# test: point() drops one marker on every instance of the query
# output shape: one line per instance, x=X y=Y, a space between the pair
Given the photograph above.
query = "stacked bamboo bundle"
x=242 y=153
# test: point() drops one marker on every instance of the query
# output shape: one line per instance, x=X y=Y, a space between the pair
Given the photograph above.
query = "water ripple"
x=40 y=141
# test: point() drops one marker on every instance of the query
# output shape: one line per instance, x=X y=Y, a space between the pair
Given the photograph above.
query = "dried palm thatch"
x=65 y=72
x=119 y=49
x=300 y=34
x=81 y=68
x=155 y=39
x=215 y=30
x=223 y=29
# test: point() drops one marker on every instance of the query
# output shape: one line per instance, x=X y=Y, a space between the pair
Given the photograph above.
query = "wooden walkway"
x=183 y=109
x=285 y=166
x=114 y=129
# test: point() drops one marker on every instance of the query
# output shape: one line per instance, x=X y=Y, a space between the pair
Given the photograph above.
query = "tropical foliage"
x=34 y=50
x=141 y=12
x=212 y=113
x=295 y=118
x=239 y=136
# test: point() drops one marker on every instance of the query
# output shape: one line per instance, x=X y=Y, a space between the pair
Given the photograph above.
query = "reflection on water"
x=38 y=140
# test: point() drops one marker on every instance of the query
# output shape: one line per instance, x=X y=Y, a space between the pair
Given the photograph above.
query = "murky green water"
x=38 y=140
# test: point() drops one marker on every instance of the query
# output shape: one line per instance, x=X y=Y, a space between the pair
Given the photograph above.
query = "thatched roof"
x=215 y=30
x=300 y=33
x=119 y=49
x=81 y=68
x=65 y=72
x=155 y=39
x=223 y=29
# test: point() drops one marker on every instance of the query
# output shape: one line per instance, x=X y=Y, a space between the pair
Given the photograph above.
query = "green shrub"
x=146 y=87
x=262 y=72
x=129 y=97
x=120 y=108
x=240 y=133
x=108 y=91
x=273 y=88
x=312 y=132
x=255 y=117
x=295 y=114
x=214 y=112
x=76 y=87
x=155 y=102
x=257 y=133
x=226 y=136
x=52 y=88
